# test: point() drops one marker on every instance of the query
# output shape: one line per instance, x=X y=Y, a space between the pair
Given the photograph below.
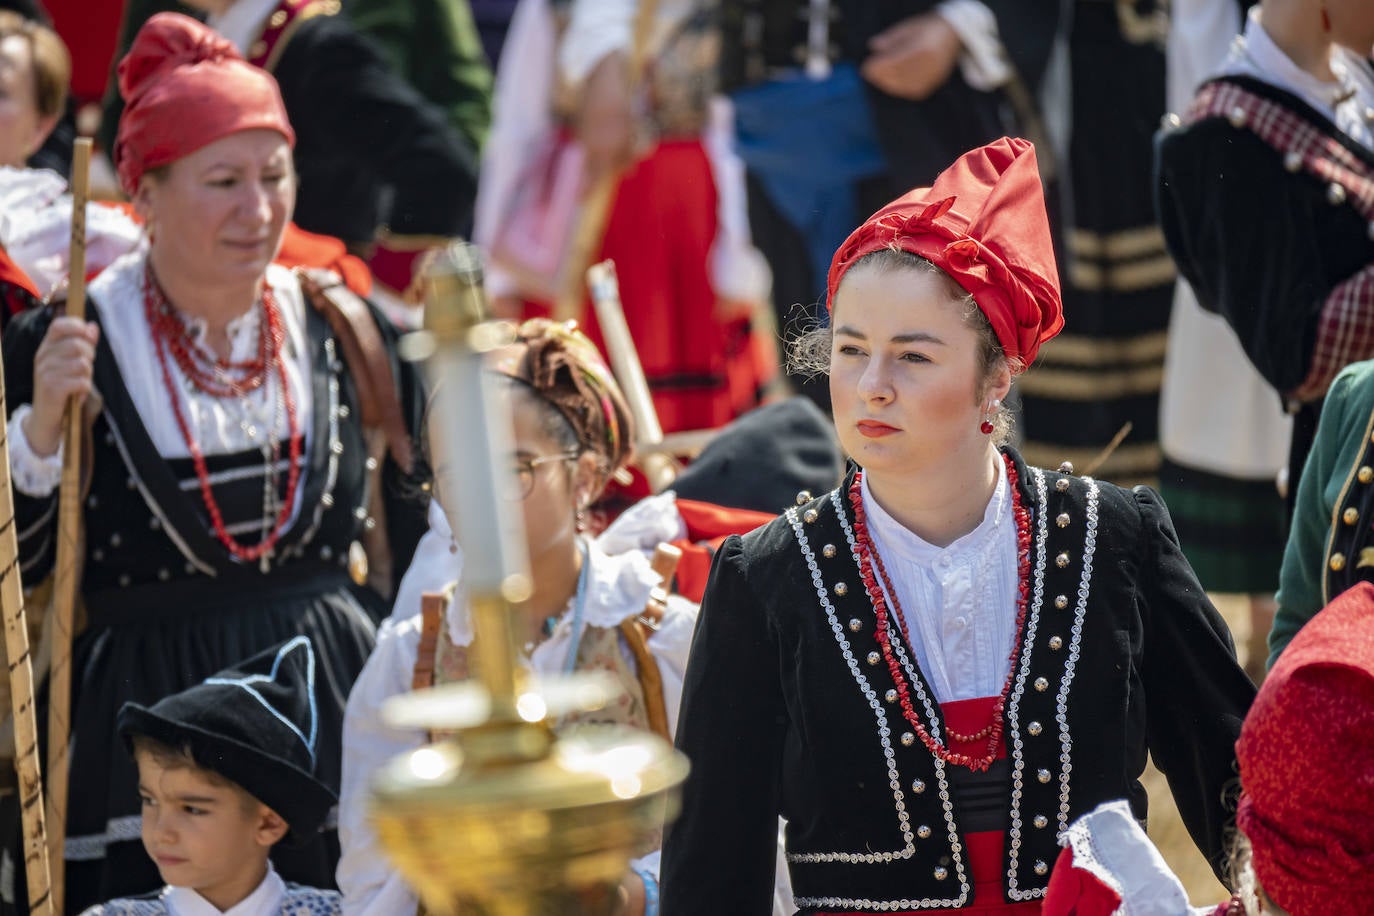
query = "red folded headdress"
x=1306 y=756
x=185 y=87
x=984 y=223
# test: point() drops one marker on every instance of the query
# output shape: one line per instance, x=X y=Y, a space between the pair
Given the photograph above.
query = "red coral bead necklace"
x=224 y=379
x=869 y=558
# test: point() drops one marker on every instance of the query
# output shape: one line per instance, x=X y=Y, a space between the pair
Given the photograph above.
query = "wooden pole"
x=65 y=582
x=620 y=347
x=26 y=757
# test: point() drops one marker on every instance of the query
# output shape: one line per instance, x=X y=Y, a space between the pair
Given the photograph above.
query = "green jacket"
x=1331 y=543
x=434 y=44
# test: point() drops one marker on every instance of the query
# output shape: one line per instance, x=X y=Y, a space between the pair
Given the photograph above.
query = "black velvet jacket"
x=784 y=712
x=1260 y=244
x=361 y=129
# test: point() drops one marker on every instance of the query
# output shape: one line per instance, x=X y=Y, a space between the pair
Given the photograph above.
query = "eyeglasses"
x=524 y=469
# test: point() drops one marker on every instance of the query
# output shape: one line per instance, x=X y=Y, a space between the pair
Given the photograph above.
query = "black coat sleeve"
x=1241 y=230
x=1196 y=694
x=345 y=100
x=720 y=855
x=35 y=518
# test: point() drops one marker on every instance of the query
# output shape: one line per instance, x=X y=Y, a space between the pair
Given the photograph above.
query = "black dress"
x=786 y=711
x=166 y=604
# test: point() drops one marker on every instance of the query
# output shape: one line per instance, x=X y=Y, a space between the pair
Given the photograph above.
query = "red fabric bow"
x=186 y=87
x=983 y=222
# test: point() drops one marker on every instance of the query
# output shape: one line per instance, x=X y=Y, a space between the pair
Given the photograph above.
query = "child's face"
x=212 y=838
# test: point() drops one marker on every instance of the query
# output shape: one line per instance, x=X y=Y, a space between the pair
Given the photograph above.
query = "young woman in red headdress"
x=234 y=463
x=930 y=671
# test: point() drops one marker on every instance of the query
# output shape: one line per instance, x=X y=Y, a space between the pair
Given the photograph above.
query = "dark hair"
x=52 y=65
x=809 y=352
x=183 y=757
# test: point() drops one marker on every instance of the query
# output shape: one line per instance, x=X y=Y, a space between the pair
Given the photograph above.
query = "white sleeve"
x=648 y=523
x=983 y=61
x=1110 y=846
x=739 y=271
x=437 y=562
x=670 y=645
x=370 y=886
x=520 y=115
x=783 y=904
x=33 y=476
x=38 y=239
x=1200 y=36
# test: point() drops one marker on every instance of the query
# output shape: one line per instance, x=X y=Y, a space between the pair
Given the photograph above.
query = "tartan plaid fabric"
x=1345 y=328
x=1345 y=334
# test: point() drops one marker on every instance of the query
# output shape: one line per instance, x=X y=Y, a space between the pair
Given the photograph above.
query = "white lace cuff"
x=33 y=476
x=983 y=62
x=1109 y=844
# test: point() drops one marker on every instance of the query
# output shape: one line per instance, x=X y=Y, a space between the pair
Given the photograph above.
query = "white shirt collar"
x=266 y=900
x=1255 y=54
x=242 y=22
x=892 y=535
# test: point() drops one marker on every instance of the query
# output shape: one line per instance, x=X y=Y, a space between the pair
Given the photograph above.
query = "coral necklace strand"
x=869 y=558
x=170 y=334
x=223 y=378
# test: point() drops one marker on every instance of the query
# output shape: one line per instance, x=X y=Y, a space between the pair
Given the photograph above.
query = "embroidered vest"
x=440 y=661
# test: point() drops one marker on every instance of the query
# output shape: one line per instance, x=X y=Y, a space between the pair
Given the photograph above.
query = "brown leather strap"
x=637 y=631
x=367 y=357
x=650 y=678
x=432 y=606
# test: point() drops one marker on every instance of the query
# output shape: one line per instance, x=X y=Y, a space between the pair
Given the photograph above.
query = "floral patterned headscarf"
x=563 y=367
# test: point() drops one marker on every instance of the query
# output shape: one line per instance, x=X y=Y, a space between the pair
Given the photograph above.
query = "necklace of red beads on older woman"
x=224 y=379
x=869 y=558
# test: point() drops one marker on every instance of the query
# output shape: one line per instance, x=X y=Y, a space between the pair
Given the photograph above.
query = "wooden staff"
x=68 y=545
x=25 y=720
x=620 y=347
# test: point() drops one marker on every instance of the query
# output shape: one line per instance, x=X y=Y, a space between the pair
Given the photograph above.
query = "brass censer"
x=506 y=818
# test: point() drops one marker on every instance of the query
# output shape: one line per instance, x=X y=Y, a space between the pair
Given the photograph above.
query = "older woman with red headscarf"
x=932 y=669
x=237 y=462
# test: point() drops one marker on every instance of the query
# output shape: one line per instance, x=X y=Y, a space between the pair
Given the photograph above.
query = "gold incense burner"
x=506 y=818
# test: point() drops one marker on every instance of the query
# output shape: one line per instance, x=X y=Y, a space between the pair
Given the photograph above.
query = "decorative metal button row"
x=1351 y=516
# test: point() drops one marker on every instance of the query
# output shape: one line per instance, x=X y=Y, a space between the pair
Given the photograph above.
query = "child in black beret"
x=226 y=771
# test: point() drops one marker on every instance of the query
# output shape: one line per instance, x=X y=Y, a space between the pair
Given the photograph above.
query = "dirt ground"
x=1166 y=829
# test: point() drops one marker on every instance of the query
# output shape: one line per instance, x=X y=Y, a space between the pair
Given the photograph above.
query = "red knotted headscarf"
x=185 y=87
x=1306 y=756
x=983 y=222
